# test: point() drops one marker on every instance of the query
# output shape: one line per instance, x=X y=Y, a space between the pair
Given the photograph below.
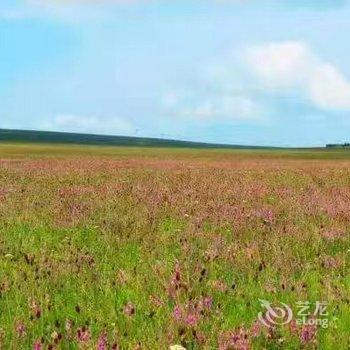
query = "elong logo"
x=281 y=314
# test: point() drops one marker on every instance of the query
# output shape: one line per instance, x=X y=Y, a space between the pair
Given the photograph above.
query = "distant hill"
x=7 y=135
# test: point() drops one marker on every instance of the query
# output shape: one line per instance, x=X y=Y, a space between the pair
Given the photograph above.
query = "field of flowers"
x=147 y=249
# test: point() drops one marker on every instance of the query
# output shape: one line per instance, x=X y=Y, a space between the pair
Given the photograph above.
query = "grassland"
x=144 y=248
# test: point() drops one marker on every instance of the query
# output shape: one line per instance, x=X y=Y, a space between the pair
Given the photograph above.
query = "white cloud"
x=216 y=96
x=84 y=124
x=280 y=64
x=328 y=88
x=293 y=65
x=217 y=107
x=227 y=107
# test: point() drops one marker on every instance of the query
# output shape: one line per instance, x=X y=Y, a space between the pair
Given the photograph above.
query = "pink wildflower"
x=234 y=340
x=102 y=343
x=83 y=335
x=175 y=281
x=201 y=338
x=192 y=319
x=266 y=215
x=308 y=333
x=37 y=345
x=293 y=327
x=36 y=310
x=207 y=302
x=189 y=317
x=333 y=234
x=129 y=309
x=21 y=329
x=177 y=313
x=331 y=262
x=220 y=286
x=255 y=329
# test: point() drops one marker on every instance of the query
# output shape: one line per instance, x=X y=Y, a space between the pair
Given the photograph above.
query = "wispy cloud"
x=293 y=65
x=223 y=107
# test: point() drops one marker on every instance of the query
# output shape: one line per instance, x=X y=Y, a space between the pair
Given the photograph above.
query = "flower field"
x=107 y=248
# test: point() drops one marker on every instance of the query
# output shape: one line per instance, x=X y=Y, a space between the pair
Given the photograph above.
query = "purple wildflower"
x=192 y=319
x=331 y=262
x=102 y=343
x=207 y=302
x=293 y=327
x=255 y=329
x=83 y=335
x=129 y=309
x=307 y=333
x=37 y=345
x=234 y=340
x=266 y=215
x=175 y=281
x=21 y=329
x=177 y=313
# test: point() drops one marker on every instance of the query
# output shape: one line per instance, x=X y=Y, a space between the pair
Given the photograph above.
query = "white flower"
x=177 y=347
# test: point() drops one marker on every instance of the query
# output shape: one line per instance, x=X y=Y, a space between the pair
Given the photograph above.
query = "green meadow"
x=105 y=247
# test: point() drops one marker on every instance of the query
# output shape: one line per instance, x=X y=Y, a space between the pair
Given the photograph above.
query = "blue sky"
x=232 y=71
